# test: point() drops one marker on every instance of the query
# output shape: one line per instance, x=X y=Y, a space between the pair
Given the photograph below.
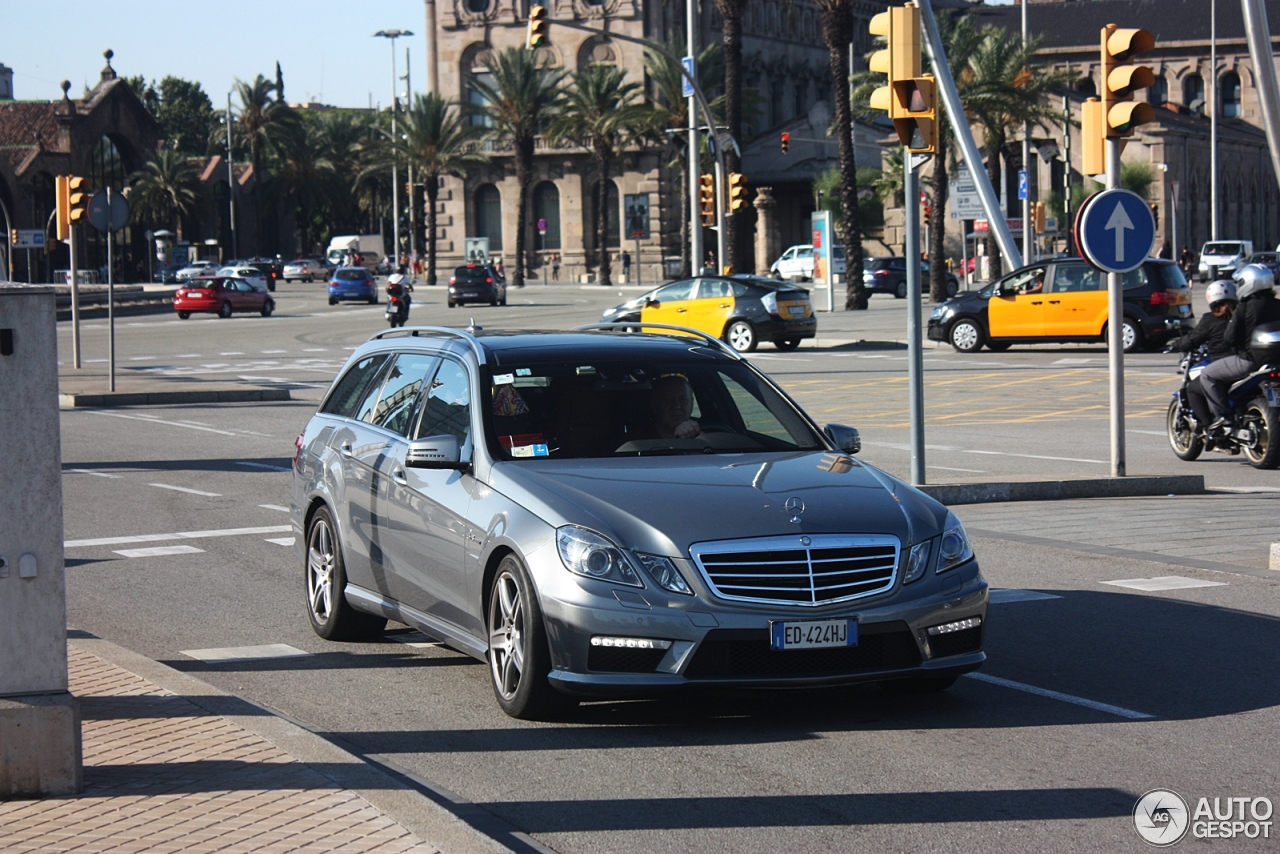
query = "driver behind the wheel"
x=671 y=403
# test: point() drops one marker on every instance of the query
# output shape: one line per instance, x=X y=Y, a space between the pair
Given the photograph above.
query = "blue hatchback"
x=348 y=283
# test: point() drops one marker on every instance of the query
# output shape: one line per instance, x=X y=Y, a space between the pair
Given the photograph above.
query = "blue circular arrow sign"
x=1116 y=231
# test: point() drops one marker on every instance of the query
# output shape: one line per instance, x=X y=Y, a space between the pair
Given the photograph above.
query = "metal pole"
x=639 y=269
x=915 y=349
x=695 y=161
x=8 y=248
x=111 y=295
x=1066 y=173
x=964 y=137
x=1027 y=249
x=1213 y=119
x=395 y=177
x=1115 y=331
x=75 y=300
x=720 y=179
x=231 y=184
x=433 y=71
x=413 y=218
x=1174 y=247
x=1257 y=29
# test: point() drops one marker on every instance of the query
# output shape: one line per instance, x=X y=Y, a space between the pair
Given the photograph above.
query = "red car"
x=221 y=295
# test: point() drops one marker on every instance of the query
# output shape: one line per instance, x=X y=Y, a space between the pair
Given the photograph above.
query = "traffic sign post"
x=109 y=212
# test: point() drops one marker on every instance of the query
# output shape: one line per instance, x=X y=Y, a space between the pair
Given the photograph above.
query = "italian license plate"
x=813 y=634
x=1273 y=397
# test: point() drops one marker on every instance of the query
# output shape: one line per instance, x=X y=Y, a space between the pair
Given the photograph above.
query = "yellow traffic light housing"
x=1120 y=79
x=909 y=97
x=737 y=191
x=538 y=24
x=77 y=199
x=1093 y=138
x=1039 y=217
x=13 y=237
x=916 y=114
x=881 y=62
x=62 y=203
x=707 y=198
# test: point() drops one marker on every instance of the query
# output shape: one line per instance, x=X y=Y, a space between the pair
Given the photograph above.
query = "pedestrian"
x=555 y=266
x=709 y=269
x=1185 y=260
x=500 y=270
x=626 y=265
x=1166 y=250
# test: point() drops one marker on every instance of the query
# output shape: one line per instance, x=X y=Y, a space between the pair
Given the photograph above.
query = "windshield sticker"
x=529 y=451
x=523 y=372
x=532 y=382
x=503 y=379
x=508 y=402
x=510 y=442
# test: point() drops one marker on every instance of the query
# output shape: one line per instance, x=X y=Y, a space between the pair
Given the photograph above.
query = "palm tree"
x=604 y=114
x=438 y=140
x=1006 y=92
x=165 y=189
x=306 y=174
x=521 y=101
x=671 y=112
x=732 y=13
x=264 y=126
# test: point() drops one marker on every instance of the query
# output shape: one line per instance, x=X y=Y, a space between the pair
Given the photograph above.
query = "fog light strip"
x=631 y=643
x=957 y=626
x=1118 y=711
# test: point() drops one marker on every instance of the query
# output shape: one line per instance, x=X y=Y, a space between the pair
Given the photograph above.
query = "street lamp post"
x=395 y=177
x=231 y=186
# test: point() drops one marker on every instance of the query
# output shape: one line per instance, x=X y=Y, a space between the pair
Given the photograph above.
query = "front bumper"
x=717 y=644
x=938 y=329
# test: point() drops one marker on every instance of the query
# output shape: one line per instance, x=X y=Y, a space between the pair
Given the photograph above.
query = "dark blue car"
x=352 y=283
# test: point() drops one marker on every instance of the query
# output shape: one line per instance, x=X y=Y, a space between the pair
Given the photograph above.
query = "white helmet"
x=1219 y=291
x=1253 y=279
x=395 y=279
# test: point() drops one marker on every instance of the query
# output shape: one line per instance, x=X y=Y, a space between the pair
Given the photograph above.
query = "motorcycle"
x=397 y=306
x=1254 y=412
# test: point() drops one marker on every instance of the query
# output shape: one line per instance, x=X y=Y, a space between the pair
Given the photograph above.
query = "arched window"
x=1230 y=89
x=1158 y=92
x=597 y=51
x=475 y=65
x=1193 y=93
x=1086 y=87
x=778 y=98
x=612 y=208
x=546 y=205
x=478 y=6
x=488 y=203
x=802 y=98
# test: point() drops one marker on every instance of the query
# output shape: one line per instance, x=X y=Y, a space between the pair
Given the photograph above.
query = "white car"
x=196 y=268
x=797 y=262
x=305 y=269
x=1227 y=255
x=252 y=275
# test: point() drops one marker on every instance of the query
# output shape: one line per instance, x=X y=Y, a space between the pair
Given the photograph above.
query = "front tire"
x=519 y=657
x=1185 y=441
x=224 y=310
x=267 y=308
x=332 y=301
x=900 y=292
x=331 y=615
x=787 y=344
x=1264 y=420
x=741 y=336
x=966 y=335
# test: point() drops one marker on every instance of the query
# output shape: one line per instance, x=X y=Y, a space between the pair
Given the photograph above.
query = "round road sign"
x=1116 y=230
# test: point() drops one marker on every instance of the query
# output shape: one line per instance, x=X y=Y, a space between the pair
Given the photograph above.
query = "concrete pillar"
x=39 y=719
x=768 y=236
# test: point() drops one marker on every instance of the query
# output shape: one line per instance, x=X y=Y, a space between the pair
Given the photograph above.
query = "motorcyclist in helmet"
x=398 y=285
x=1255 y=288
x=1211 y=331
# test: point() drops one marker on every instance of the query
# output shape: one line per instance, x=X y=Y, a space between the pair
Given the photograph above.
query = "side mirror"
x=435 y=452
x=845 y=438
x=651 y=303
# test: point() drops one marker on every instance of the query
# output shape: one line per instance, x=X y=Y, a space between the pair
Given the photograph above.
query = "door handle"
x=725 y=305
x=681 y=310
x=1037 y=302
x=1055 y=302
x=345 y=449
x=397 y=474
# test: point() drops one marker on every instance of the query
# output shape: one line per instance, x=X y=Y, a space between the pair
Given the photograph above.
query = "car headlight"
x=664 y=572
x=586 y=553
x=940 y=312
x=954 y=548
x=917 y=561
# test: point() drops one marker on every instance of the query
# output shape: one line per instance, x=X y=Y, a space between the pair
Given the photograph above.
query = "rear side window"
x=349 y=391
x=712 y=288
x=1171 y=276
x=1134 y=279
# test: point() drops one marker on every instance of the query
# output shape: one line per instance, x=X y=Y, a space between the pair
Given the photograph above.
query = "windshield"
x=1221 y=249
x=613 y=408
x=350 y=275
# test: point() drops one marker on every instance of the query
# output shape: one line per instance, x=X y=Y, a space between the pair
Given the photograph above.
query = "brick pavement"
x=164 y=775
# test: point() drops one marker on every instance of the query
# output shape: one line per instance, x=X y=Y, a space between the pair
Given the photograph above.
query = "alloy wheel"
x=320 y=565
x=506 y=635
x=742 y=336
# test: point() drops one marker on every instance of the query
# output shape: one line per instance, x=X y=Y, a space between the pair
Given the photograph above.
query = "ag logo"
x=1160 y=817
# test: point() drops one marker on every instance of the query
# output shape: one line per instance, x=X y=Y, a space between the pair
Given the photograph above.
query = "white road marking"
x=316 y=350
x=158 y=551
x=232 y=353
x=180 y=535
x=1118 y=711
x=1002 y=595
x=275 y=351
x=261 y=466
x=94 y=473
x=905 y=447
x=92 y=361
x=186 y=490
x=952 y=468
x=188 y=356
x=1243 y=489
x=250 y=379
x=1075 y=360
x=282 y=541
x=274 y=507
x=1163 y=582
x=140 y=358
x=154 y=420
x=1151 y=432
x=245 y=653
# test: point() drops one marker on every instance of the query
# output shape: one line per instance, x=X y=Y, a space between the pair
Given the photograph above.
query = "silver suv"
x=602 y=514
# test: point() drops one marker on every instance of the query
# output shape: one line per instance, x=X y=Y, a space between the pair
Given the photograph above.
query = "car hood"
x=665 y=504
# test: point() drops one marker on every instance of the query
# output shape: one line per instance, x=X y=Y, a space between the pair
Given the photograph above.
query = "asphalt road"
x=1093 y=694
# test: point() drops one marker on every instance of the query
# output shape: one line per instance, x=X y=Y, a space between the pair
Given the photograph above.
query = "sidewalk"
x=163 y=773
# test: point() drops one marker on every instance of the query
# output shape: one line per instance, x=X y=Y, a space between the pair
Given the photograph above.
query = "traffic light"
x=1116 y=114
x=538 y=24
x=909 y=97
x=1155 y=213
x=737 y=191
x=1038 y=217
x=77 y=200
x=786 y=142
x=707 y=198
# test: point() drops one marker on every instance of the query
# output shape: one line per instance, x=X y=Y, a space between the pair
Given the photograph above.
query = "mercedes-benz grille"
x=817 y=569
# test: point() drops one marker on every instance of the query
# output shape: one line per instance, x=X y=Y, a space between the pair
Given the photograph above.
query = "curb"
x=394 y=793
x=1062 y=490
x=159 y=398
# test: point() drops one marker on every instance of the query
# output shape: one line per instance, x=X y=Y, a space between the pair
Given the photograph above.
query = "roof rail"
x=415 y=331
x=665 y=327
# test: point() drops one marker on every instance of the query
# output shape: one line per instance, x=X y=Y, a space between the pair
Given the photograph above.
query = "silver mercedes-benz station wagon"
x=603 y=514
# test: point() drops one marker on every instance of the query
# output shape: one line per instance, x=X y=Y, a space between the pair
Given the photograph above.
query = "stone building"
x=785 y=64
x=1176 y=146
